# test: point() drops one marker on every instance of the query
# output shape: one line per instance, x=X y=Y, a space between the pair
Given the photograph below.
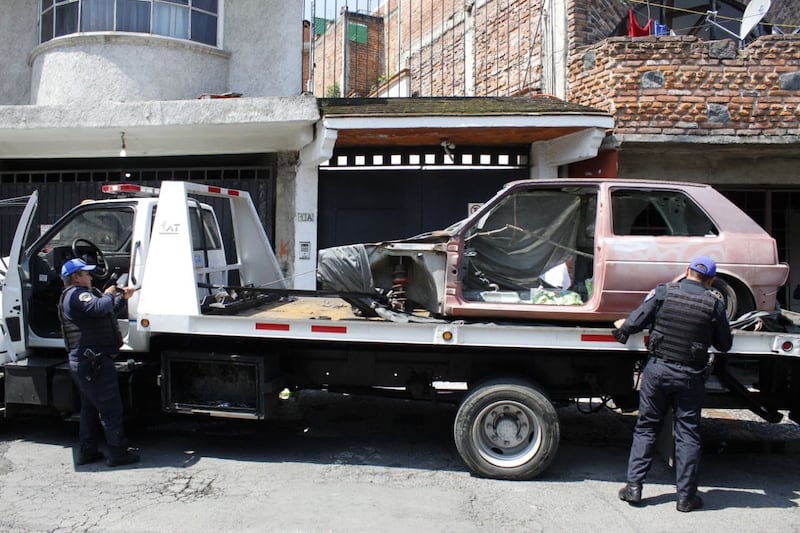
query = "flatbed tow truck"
x=210 y=336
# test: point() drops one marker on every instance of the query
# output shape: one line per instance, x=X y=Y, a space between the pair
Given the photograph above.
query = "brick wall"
x=507 y=55
x=685 y=86
x=364 y=60
x=328 y=58
x=591 y=21
x=427 y=37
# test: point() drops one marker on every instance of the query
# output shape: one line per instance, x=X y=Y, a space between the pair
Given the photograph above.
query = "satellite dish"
x=753 y=14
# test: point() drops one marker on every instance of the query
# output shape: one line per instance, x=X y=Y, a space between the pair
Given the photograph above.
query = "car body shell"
x=624 y=266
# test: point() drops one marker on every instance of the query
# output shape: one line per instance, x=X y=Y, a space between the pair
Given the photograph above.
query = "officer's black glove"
x=707 y=371
x=621 y=337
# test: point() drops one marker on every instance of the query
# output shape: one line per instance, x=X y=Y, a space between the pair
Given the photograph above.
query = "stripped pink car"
x=582 y=250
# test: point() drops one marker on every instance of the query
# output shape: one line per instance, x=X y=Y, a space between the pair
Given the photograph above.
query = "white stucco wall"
x=18 y=36
x=83 y=69
x=265 y=39
x=261 y=55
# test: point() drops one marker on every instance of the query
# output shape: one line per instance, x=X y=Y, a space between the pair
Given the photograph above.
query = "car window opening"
x=535 y=247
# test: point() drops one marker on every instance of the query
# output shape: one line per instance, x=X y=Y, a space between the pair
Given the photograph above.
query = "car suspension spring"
x=399 y=299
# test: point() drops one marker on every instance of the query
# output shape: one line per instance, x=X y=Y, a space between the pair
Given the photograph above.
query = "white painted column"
x=555 y=48
x=469 y=49
x=305 y=215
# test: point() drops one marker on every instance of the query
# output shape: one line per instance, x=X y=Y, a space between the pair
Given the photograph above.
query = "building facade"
x=702 y=91
x=196 y=89
x=213 y=91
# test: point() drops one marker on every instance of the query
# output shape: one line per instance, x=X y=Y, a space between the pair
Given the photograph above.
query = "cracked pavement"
x=343 y=463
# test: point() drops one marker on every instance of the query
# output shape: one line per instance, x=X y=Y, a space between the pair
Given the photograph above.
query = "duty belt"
x=685 y=364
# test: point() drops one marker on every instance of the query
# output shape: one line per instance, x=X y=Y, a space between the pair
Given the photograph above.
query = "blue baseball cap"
x=704 y=265
x=74 y=265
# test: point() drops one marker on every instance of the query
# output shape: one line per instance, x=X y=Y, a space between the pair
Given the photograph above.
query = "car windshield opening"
x=534 y=247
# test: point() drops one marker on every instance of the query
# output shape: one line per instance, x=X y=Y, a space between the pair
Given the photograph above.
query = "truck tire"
x=507 y=429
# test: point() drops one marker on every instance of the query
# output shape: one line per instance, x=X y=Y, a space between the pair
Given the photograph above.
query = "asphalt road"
x=340 y=463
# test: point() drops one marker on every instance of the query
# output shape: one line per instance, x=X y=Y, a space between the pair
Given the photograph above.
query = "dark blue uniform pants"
x=101 y=403
x=666 y=385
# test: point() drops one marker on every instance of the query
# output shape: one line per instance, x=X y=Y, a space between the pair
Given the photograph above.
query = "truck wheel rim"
x=507 y=434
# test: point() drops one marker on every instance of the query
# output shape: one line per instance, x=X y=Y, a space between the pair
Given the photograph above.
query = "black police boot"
x=690 y=504
x=118 y=456
x=631 y=493
x=88 y=455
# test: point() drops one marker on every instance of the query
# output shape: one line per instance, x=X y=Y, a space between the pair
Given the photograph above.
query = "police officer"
x=684 y=319
x=92 y=337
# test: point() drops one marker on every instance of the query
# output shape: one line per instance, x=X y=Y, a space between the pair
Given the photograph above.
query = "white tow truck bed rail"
x=170 y=251
x=267 y=325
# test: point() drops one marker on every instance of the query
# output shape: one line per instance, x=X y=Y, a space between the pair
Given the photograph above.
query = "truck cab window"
x=109 y=230
x=205 y=235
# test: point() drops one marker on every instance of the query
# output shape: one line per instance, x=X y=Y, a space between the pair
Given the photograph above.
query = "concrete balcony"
x=124 y=67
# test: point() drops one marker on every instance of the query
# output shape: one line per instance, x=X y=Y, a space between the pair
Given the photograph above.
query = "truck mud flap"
x=222 y=385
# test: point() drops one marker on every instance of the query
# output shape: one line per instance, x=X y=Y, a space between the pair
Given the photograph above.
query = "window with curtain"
x=97 y=15
x=133 y=16
x=194 y=20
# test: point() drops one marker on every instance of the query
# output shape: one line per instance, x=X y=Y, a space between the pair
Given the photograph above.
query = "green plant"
x=333 y=91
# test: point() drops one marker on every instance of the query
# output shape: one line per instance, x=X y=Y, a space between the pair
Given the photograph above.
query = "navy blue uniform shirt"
x=81 y=302
x=644 y=316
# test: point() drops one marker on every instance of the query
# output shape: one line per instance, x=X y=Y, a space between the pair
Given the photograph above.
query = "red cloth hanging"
x=634 y=30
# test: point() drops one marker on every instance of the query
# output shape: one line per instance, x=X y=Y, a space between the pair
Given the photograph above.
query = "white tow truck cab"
x=115 y=235
x=213 y=330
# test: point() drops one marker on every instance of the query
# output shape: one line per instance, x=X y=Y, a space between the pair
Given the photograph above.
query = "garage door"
x=61 y=190
x=376 y=205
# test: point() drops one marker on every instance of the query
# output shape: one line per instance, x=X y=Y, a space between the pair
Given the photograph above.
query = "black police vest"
x=88 y=331
x=682 y=329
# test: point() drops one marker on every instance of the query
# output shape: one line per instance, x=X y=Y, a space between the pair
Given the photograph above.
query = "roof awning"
x=474 y=121
x=162 y=128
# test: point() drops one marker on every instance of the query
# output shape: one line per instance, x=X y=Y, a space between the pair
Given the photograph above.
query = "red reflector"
x=329 y=329
x=272 y=327
x=787 y=346
x=594 y=337
x=215 y=190
x=233 y=192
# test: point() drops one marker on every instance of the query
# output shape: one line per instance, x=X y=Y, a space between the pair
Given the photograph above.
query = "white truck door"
x=14 y=328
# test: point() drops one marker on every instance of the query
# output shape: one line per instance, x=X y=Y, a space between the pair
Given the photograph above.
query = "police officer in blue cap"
x=684 y=320
x=92 y=337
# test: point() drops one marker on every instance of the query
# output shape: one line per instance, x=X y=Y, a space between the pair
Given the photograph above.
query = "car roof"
x=610 y=182
x=721 y=210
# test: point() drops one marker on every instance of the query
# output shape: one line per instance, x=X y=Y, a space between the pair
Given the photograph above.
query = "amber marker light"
x=145 y=323
x=447 y=335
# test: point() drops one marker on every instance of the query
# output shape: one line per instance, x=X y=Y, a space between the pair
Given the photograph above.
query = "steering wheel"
x=92 y=256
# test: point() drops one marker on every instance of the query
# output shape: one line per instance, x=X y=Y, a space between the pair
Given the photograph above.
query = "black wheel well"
x=739 y=287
